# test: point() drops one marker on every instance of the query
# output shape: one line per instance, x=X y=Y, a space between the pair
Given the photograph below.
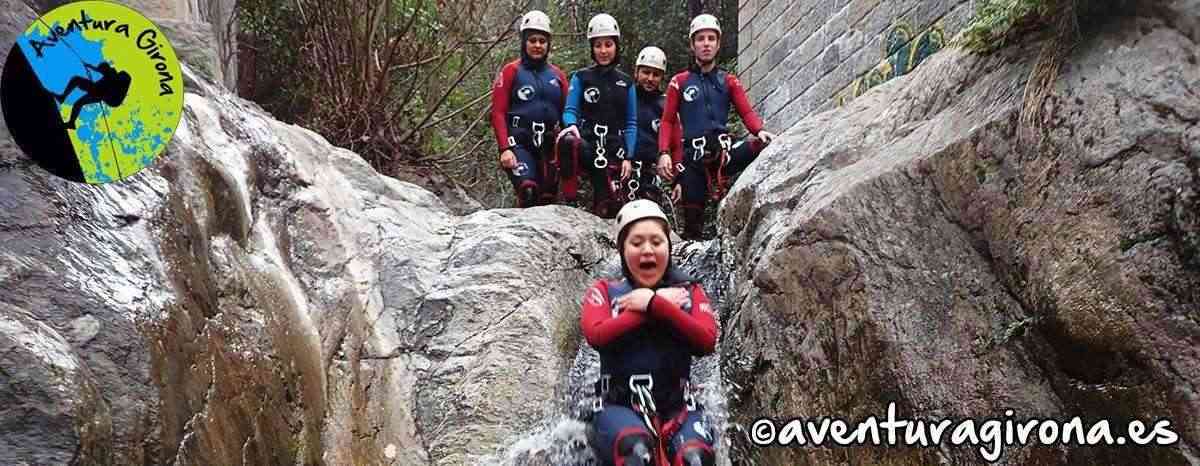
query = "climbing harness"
x=538 y=128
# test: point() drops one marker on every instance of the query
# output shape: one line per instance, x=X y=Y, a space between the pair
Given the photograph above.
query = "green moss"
x=567 y=336
x=998 y=21
x=1127 y=243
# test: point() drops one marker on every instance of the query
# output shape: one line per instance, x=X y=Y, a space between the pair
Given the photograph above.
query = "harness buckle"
x=538 y=128
x=516 y=121
x=512 y=141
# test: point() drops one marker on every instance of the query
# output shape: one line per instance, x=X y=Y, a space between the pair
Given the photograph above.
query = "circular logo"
x=591 y=95
x=525 y=93
x=92 y=91
x=689 y=94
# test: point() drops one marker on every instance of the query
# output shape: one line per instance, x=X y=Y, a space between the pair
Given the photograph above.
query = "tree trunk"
x=695 y=7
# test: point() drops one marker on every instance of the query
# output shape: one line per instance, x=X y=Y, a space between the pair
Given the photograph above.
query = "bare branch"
x=470 y=104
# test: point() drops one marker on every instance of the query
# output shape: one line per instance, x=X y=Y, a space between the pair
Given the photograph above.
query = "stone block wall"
x=797 y=57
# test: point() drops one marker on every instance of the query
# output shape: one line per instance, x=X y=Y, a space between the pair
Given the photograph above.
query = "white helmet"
x=537 y=21
x=603 y=25
x=638 y=210
x=702 y=22
x=653 y=57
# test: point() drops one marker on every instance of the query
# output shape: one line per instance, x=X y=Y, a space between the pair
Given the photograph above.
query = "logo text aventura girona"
x=146 y=40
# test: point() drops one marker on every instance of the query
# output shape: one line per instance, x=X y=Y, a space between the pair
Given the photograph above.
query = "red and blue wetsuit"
x=527 y=104
x=602 y=104
x=656 y=346
x=700 y=102
x=649 y=116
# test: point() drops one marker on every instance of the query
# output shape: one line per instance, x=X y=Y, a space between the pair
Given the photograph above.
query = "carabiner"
x=699 y=144
x=598 y=403
x=726 y=141
x=538 y=128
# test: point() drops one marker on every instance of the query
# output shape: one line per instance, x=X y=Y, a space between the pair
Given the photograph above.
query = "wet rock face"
x=51 y=411
x=261 y=297
x=910 y=248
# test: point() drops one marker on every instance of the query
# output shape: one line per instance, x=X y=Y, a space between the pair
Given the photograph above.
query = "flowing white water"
x=561 y=439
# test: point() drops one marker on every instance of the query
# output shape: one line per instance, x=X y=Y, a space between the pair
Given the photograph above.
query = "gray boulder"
x=259 y=296
x=910 y=248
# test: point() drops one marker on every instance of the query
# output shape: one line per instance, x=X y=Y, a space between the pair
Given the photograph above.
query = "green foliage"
x=324 y=65
x=996 y=21
x=663 y=24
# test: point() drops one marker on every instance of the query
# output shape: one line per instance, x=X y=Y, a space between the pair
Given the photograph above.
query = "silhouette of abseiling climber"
x=111 y=89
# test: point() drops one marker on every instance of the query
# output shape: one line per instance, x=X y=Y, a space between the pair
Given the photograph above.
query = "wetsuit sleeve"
x=753 y=123
x=670 y=116
x=698 y=327
x=631 y=124
x=562 y=82
x=677 y=143
x=571 y=108
x=599 y=326
x=501 y=89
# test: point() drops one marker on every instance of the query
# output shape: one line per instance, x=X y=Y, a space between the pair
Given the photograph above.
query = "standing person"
x=701 y=97
x=526 y=105
x=599 y=121
x=647 y=325
x=647 y=167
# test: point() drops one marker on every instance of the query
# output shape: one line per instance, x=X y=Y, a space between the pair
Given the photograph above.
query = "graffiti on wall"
x=902 y=51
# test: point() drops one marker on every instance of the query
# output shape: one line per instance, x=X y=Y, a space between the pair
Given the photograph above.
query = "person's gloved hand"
x=508 y=159
x=766 y=137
